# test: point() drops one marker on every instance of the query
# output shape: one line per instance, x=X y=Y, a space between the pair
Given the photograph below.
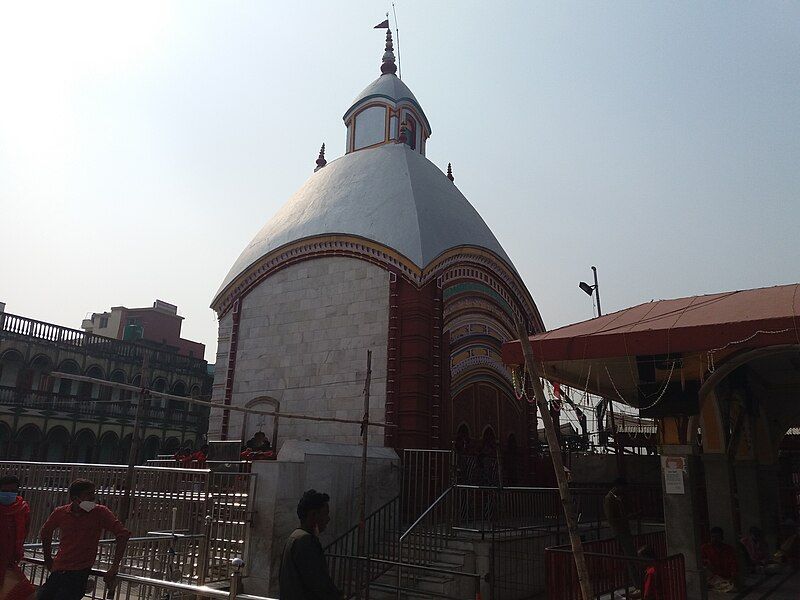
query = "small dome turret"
x=383 y=109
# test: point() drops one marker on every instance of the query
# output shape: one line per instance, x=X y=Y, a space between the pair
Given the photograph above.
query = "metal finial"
x=321 y=162
x=388 y=65
x=450 y=172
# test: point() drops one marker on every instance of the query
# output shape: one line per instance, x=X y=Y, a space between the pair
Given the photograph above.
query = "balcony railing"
x=75 y=405
x=94 y=344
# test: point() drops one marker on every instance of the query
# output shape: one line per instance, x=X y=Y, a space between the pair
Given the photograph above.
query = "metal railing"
x=72 y=339
x=238 y=466
x=419 y=580
x=425 y=475
x=517 y=522
x=136 y=587
x=610 y=572
x=161 y=555
x=213 y=505
x=381 y=531
x=89 y=407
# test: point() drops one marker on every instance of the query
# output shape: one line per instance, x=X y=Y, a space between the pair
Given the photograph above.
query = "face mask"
x=8 y=498
x=87 y=505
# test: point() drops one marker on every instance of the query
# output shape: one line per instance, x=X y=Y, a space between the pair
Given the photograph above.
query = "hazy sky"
x=142 y=145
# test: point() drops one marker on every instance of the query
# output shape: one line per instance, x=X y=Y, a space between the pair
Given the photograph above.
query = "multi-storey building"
x=159 y=323
x=45 y=417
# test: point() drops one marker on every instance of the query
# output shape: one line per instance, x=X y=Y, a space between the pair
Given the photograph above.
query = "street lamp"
x=592 y=289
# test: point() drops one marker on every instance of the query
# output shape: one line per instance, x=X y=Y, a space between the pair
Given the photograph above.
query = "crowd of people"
x=80 y=524
x=256 y=448
x=720 y=560
x=722 y=566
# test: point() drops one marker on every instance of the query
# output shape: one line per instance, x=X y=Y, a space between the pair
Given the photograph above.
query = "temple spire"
x=321 y=162
x=450 y=172
x=388 y=65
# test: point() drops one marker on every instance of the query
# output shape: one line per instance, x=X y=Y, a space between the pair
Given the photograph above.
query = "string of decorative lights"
x=660 y=395
x=711 y=365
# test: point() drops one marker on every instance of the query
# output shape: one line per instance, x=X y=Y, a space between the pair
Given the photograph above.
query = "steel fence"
x=381 y=531
x=213 y=509
x=172 y=557
x=610 y=572
x=426 y=474
x=135 y=587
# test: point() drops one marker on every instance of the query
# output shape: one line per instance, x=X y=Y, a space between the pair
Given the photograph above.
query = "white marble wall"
x=220 y=372
x=334 y=469
x=303 y=337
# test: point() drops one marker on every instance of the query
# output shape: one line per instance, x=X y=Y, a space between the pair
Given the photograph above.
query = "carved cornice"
x=448 y=266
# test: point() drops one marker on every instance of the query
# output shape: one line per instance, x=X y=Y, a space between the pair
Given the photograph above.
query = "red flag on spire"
x=383 y=25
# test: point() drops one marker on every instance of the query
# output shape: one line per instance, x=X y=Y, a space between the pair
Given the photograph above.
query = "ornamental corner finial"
x=321 y=162
x=450 y=172
x=388 y=65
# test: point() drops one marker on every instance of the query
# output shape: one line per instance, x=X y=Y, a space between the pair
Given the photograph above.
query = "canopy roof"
x=749 y=318
x=660 y=353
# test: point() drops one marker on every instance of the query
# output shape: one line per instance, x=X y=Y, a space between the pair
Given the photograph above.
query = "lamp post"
x=593 y=289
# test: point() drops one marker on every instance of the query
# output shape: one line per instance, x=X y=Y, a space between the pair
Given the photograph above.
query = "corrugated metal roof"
x=747 y=318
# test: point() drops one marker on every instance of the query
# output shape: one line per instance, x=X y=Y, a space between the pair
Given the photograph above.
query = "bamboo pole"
x=558 y=464
x=362 y=497
x=133 y=451
x=243 y=409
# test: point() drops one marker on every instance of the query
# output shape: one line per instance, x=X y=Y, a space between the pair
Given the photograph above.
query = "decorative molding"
x=449 y=266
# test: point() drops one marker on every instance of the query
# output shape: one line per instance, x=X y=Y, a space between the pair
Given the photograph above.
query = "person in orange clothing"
x=651 y=585
x=15 y=518
x=719 y=559
x=81 y=523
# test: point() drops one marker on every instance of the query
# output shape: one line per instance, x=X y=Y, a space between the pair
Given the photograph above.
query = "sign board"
x=673 y=467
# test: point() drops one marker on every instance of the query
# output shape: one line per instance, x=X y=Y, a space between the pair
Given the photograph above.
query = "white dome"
x=389 y=194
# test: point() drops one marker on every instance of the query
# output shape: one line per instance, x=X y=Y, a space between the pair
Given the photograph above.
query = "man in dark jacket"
x=304 y=573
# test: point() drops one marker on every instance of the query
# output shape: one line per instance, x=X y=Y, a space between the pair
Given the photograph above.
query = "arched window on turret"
x=411 y=130
x=370 y=127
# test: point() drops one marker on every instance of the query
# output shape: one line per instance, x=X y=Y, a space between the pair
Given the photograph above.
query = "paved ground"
x=780 y=586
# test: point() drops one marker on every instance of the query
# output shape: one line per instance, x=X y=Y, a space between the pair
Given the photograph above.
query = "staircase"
x=446 y=575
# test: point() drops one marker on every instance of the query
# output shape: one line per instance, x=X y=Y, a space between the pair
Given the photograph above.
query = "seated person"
x=757 y=549
x=200 y=455
x=719 y=560
x=257 y=448
x=184 y=454
x=651 y=585
x=788 y=544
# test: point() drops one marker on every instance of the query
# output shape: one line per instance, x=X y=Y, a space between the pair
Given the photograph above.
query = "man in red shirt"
x=81 y=523
x=720 y=562
x=15 y=518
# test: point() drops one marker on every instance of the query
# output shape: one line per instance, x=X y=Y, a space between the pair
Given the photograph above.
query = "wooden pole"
x=133 y=451
x=558 y=464
x=243 y=409
x=362 y=497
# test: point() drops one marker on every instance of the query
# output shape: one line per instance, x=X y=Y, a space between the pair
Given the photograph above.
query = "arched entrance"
x=56 y=445
x=28 y=443
x=83 y=446
x=5 y=441
x=267 y=424
x=109 y=443
x=150 y=448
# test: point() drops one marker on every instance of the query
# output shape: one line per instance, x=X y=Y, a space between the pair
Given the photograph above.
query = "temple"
x=378 y=250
